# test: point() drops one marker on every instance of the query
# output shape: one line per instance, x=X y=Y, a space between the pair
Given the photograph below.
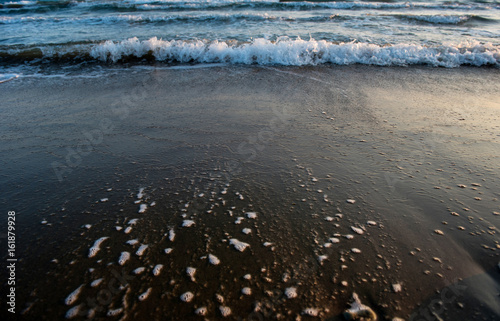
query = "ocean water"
x=435 y=33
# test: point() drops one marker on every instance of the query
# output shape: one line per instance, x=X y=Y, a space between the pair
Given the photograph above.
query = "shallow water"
x=437 y=33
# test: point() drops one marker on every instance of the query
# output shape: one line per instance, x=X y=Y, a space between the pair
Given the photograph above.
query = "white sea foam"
x=312 y=312
x=142 y=208
x=133 y=221
x=124 y=257
x=246 y=231
x=238 y=245
x=187 y=223
x=145 y=295
x=191 y=271
x=246 y=291
x=97 y=246
x=132 y=242
x=157 y=269
x=187 y=297
x=96 y=282
x=201 y=311
x=334 y=240
x=73 y=296
x=139 y=270
x=168 y=250
x=225 y=311
x=300 y=52
x=251 y=215
x=128 y=230
x=114 y=312
x=141 y=249
x=7 y=77
x=291 y=292
x=73 y=312
x=213 y=259
x=141 y=193
x=357 y=230
x=171 y=235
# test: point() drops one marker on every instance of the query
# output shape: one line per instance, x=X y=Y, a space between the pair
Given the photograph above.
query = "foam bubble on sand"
x=153 y=203
x=141 y=193
x=357 y=230
x=124 y=257
x=128 y=230
x=114 y=312
x=133 y=221
x=239 y=220
x=97 y=246
x=246 y=291
x=87 y=226
x=190 y=271
x=132 y=242
x=201 y=311
x=355 y=250
x=321 y=258
x=168 y=250
x=312 y=312
x=157 y=269
x=187 y=223
x=349 y=236
x=327 y=245
x=171 y=235
x=118 y=228
x=73 y=296
x=246 y=231
x=142 y=208
x=247 y=276
x=372 y=223
x=139 y=270
x=73 y=312
x=96 y=282
x=141 y=249
x=104 y=200
x=359 y=310
x=251 y=215
x=225 y=311
x=396 y=287
x=329 y=218
x=291 y=292
x=351 y=201
x=266 y=244
x=334 y=240
x=187 y=297
x=238 y=245
x=145 y=295
x=213 y=259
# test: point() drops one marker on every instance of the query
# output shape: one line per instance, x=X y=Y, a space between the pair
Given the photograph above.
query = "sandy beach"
x=254 y=193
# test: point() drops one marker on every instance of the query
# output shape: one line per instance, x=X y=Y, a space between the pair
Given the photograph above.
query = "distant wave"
x=138 y=18
x=148 y=5
x=444 y=19
x=284 y=51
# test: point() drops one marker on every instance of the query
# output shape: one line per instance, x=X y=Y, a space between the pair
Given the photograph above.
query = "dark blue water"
x=437 y=33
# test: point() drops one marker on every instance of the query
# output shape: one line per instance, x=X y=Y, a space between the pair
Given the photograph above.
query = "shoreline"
x=412 y=146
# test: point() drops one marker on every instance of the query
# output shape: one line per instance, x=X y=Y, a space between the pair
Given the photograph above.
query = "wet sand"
x=378 y=181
